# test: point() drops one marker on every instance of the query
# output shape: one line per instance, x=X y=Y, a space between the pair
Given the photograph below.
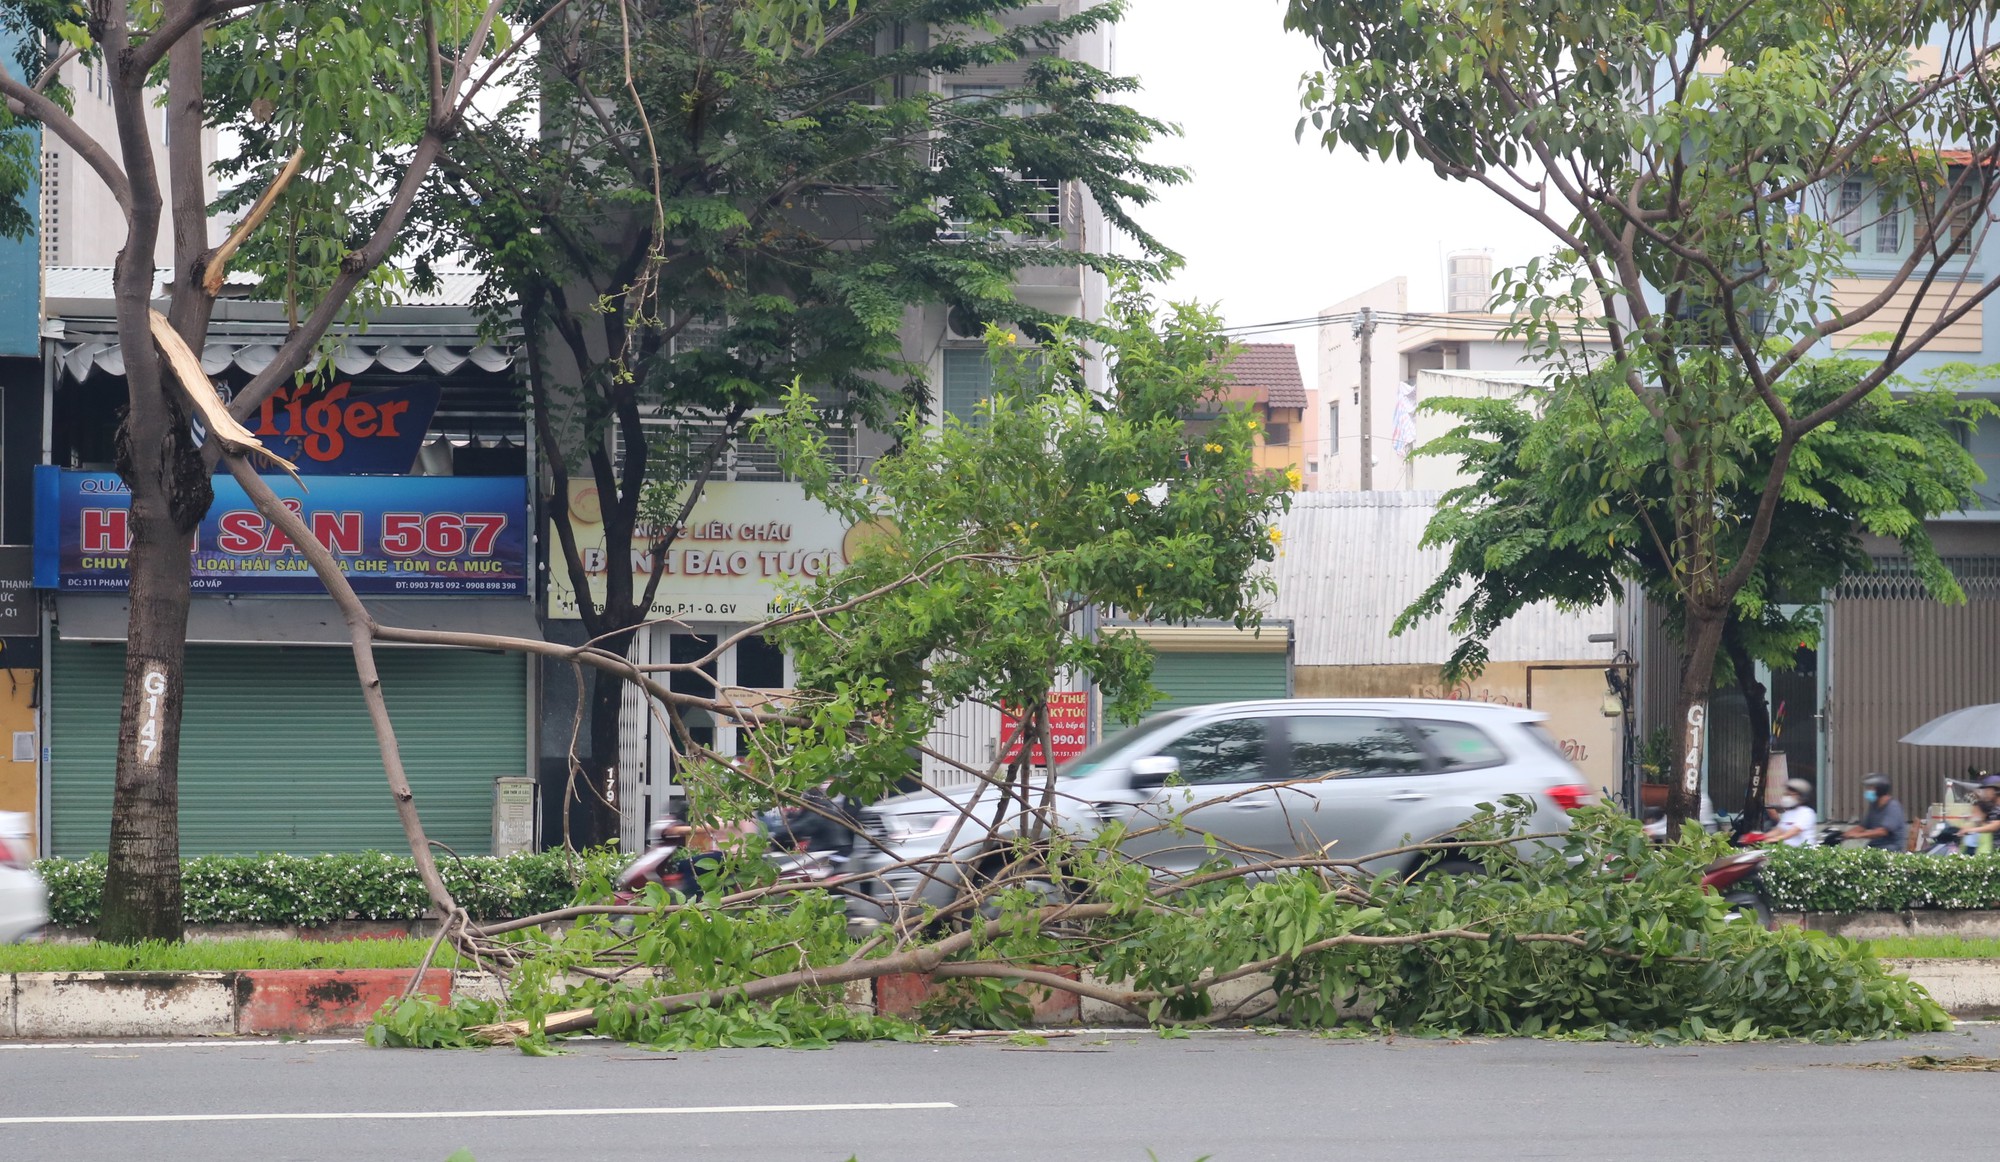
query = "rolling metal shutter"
x=1199 y=679
x=1199 y=664
x=277 y=754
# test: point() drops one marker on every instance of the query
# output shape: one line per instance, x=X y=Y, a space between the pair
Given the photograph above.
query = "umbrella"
x=1973 y=726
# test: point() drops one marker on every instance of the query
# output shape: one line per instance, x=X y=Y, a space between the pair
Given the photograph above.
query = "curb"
x=317 y=1002
x=295 y=1002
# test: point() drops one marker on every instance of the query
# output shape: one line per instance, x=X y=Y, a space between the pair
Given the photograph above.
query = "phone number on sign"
x=462 y=586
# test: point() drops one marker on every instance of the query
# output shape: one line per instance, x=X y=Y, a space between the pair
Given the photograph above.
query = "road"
x=1232 y=1097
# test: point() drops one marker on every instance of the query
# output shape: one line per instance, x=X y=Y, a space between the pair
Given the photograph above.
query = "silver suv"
x=1279 y=779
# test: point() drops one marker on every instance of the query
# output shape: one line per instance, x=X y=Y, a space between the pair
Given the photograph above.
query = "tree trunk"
x=592 y=819
x=1757 y=703
x=142 y=885
x=1704 y=638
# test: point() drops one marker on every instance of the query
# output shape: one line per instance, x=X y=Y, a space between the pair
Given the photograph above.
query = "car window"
x=1109 y=748
x=1351 y=744
x=1460 y=746
x=1222 y=752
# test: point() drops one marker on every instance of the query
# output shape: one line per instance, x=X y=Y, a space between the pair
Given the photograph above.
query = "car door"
x=1222 y=790
x=1367 y=770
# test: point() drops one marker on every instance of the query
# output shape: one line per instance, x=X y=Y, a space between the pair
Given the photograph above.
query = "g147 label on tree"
x=152 y=697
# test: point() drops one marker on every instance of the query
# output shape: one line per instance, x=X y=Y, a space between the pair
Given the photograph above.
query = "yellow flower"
x=1010 y=337
x=1131 y=498
x=1276 y=535
x=1211 y=447
x=1140 y=591
x=1294 y=478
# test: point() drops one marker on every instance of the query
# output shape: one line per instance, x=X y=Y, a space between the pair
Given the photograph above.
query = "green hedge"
x=1849 y=879
x=310 y=890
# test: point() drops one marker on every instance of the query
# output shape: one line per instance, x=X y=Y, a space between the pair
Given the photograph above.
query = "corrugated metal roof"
x=1267 y=373
x=1350 y=564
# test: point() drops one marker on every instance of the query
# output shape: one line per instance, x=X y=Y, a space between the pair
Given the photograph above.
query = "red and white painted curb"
x=319 y=1002
x=300 y=1002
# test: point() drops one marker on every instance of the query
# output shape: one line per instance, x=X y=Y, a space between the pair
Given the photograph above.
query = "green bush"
x=1859 y=879
x=310 y=890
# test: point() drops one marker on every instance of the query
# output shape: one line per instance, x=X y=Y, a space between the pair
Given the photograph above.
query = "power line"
x=1401 y=318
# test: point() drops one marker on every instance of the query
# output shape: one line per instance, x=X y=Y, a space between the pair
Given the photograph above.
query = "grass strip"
x=221 y=955
x=1935 y=947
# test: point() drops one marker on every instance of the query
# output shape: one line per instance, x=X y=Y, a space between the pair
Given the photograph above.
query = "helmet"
x=1799 y=787
x=1990 y=781
x=1876 y=780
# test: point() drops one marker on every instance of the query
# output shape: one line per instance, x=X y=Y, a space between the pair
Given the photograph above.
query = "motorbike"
x=1735 y=878
x=669 y=862
x=662 y=863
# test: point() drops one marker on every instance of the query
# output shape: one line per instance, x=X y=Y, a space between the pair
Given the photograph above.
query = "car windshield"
x=1096 y=756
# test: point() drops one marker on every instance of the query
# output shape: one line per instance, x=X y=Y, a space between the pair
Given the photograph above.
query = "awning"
x=1269 y=638
x=305 y=621
x=353 y=357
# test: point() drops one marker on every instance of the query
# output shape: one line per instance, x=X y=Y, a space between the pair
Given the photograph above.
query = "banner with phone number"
x=411 y=535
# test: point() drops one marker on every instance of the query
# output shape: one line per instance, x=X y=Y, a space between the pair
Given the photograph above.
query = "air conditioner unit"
x=962 y=322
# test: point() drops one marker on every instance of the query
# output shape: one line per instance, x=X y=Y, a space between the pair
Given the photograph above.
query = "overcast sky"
x=1273 y=228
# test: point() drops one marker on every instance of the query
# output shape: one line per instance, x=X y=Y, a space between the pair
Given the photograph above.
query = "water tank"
x=1468 y=281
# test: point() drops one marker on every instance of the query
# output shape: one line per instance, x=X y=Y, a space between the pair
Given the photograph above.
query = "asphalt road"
x=1231 y=1097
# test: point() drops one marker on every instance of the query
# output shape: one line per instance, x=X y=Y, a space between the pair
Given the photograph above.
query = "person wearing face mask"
x=1884 y=823
x=1985 y=814
x=1798 y=825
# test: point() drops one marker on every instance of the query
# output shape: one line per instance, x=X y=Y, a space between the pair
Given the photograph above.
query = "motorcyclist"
x=1985 y=813
x=1798 y=823
x=819 y=822
x=1884 y=824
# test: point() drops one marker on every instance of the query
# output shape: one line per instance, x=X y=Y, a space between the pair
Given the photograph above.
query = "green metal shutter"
x=277 y=753
x=1197 y=679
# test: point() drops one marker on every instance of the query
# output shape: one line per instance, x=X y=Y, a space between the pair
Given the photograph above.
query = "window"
x=1222 y=752
x=1889 y=232
x=1333 y=428
x=1278 y=435
x=1847 y=211
x=760 y=664
x=1884 y=230
x=1964 y=216
x=1349 y=744
x=1460 y=746
x=968 y=379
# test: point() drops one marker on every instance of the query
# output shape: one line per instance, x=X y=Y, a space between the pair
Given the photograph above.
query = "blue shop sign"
x=409 y=535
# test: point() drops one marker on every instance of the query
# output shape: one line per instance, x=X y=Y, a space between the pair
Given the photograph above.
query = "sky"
x=1273 y=228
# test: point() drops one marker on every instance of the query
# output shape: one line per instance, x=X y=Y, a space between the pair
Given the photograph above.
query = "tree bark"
x=1757 y=703
x=1704 y=639
x=170 y=493
x=592 y=819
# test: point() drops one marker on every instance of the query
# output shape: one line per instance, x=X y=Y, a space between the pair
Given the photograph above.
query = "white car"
x=1266 y=780
x=24 y=899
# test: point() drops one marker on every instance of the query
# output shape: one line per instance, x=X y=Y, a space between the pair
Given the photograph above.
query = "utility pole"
x=1364 y=329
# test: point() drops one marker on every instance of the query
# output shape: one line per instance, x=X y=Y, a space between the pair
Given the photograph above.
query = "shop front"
x=745 y=545
x=415 y=476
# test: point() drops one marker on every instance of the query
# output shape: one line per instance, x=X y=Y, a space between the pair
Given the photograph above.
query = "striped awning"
x=354 y=357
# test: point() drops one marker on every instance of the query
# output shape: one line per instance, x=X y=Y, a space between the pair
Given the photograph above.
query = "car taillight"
x=13 y=853
x=1570 y=796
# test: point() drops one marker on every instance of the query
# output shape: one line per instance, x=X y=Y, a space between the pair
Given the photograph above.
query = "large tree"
x=1730 y=185
x=365 y=95
x=690 y=219
x=1563 y=501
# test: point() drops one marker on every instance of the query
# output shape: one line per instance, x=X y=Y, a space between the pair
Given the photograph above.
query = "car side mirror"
x=1148 y=773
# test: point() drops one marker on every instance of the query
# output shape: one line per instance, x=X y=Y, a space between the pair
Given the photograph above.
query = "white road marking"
x=429 y=1115
x=212 y=1043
